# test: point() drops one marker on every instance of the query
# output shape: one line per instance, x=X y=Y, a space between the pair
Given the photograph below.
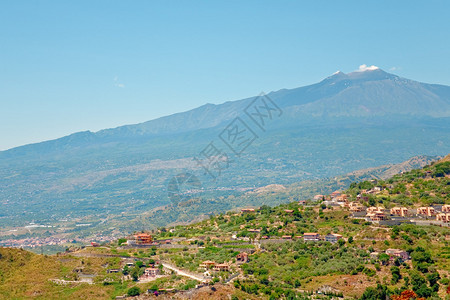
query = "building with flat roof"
x=311 y=237
x=143 y=238
x=333 y=237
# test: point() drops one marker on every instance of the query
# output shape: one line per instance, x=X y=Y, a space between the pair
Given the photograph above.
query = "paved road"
x=183 y=273
x=62 y=281
x=179 y=271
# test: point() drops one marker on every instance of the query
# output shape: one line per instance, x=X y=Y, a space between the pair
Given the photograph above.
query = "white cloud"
x=364 y=67
x=117 y=83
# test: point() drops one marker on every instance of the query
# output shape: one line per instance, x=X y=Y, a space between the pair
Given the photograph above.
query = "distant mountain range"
x=344 y=123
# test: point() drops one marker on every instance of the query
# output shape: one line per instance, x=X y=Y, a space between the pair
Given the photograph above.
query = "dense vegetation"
x=426 y=186
x=281 y=265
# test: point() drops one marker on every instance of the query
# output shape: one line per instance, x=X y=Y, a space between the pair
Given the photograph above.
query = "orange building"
x=242 y=257
x=443 y=217
x=221 y=267
x=399 y=211
x=374 y=209
x=377 y=216
x=143 y=238
x=207 y=264
x=355 y=207
x=428 y=211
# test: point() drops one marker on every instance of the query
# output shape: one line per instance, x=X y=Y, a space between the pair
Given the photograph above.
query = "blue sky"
x=89 y=65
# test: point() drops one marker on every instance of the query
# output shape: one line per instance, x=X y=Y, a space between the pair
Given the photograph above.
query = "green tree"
x=433 y=280
x=135 y=273
x=134 y=291
x=384 y=258
x=139 y=264
x=125 y=270
x=395 y=271
x=381 y=292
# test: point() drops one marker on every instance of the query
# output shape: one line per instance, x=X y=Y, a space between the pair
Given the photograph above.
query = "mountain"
x=358 y=94
x=344 y=123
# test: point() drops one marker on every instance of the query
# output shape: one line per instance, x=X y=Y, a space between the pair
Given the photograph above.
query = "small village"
x=437 y=214
x=245 y=246
x=340 y=244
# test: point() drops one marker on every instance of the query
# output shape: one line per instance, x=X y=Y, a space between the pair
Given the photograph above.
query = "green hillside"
x=420 y=187
x=281 y=265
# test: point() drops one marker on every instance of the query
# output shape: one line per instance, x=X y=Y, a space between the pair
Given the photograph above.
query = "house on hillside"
x=377 y=216
x=443 y=217
x=399 y=211
x=335 y=194
x=378 y=188
x=311 y=237
x=242 y=258
x=207 y=264
x=131 y=242
x=375 y=209
x=333 y=238
x=151 y=272
x=331 y=203
x=109 y=271
x=427 y=211
x=143 y=238
x=364 y=197
x=446 y=208
x=355 y=207
x=247 y=210
x=318 y=197
x=394 y=253
x=222 y=267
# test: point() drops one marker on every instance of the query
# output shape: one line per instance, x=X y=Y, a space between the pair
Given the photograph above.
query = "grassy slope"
x=26 y=275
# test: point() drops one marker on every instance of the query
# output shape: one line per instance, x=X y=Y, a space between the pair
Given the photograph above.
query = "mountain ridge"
x=334 y=96
x=323 y=132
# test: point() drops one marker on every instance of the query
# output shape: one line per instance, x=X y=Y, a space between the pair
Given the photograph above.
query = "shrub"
x=134 y=291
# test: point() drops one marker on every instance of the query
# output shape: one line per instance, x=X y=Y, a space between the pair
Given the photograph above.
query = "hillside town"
x=359 y=236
